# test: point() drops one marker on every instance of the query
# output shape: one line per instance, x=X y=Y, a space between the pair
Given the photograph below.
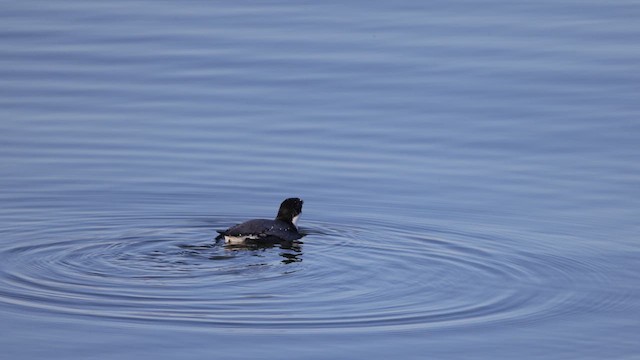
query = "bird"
x=264 y=231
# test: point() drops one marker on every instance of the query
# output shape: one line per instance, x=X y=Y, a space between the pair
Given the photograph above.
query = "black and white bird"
x=256 y=231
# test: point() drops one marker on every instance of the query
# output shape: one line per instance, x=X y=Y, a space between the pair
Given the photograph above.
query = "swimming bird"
x=256 y=231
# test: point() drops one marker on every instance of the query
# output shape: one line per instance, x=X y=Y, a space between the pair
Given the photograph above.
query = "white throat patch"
x=295 y=220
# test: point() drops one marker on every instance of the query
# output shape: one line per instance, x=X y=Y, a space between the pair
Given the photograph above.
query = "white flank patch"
x=238 y=240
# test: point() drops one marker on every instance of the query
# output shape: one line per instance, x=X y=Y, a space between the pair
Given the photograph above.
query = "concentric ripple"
x=339 y=278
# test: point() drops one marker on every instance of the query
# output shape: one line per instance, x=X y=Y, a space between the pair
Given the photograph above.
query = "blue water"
x=470 y=172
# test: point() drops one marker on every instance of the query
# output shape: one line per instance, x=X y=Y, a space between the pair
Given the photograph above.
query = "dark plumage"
x=283 y=228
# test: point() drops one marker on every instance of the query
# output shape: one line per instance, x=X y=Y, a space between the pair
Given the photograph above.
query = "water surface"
x=470 y=176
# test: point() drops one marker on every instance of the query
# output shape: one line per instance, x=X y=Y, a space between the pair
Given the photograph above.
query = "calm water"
x=470 y=171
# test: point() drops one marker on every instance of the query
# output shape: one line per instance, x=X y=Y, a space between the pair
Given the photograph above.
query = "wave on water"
x=337 y=279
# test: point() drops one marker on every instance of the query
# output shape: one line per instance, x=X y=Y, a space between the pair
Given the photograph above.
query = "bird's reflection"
x=292 y=250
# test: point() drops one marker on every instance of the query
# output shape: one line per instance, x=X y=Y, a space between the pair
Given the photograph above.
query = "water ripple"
x=338 y=279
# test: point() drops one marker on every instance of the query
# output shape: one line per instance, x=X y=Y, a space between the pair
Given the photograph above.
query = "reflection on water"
x=292 y=257
x=291 y=250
